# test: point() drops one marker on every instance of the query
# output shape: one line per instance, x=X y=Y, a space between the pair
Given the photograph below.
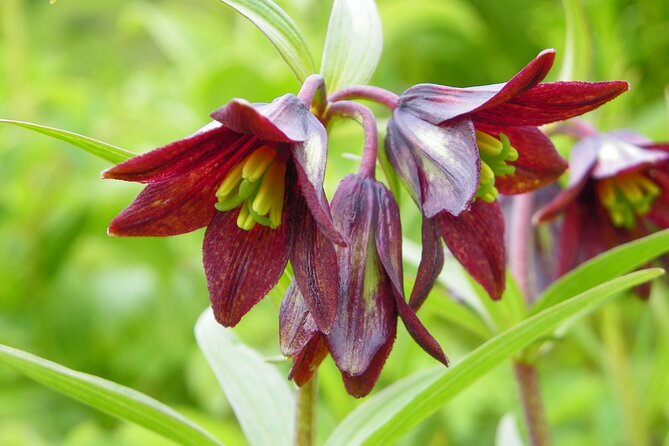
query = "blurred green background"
x=140 y=74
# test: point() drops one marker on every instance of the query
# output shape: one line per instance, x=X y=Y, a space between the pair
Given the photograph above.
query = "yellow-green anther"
x=488 y=144
x=486 y=173
x=231 y=181
x=258 y=162
x=627 y=197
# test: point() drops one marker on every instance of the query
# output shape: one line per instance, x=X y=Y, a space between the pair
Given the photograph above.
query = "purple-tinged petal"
x=310 y=157
x=286 y=119
x=437 y=104
x=388 y=238
x=431 y=264
x=314 y=263
x=242 y=266
x=366 y=312
x=180 y=157
x=296 y=326
x=551 y=102
x=557 y=205
x=360 y=385
x=307 y=361
x=615 y=157
x=476 y=239
x=630 y=137
x=446 y=160
x=538 y=162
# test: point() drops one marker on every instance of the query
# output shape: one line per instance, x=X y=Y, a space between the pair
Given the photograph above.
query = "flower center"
x=257 y=184
x=495 y=154
x=627 y=197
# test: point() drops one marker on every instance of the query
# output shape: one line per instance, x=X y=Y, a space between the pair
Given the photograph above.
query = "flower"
x=371 y=294
x=254 y=178
x=618 y=191
x=456 y=149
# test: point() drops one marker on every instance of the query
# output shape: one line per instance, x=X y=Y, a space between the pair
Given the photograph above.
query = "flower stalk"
x=369 y=93
x=306 y=413
x=533 y=411
x=364 y=115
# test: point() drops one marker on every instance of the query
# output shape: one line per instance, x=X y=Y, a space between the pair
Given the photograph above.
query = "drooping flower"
x=254 y=178
x=456 y=149
x=371 y=294
x=618 y=191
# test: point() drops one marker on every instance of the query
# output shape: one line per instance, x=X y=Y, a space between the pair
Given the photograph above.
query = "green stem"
x=306 y=413
x=530 y=396
x=621 y=375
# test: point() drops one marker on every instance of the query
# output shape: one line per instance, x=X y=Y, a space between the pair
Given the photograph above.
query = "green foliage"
x=108 y=397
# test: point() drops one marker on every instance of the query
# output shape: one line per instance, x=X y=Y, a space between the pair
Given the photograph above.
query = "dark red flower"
x=618 y=191
x=254 y=177
x=371 y=294
x=457 y=148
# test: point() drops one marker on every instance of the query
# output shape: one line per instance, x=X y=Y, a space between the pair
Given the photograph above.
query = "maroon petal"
x=437 y=104
x=307 y=361
x=444 y=160
x=551 y=102
x=538 y=162
x=389 y=247
x=315 y=266
x=615 y=156
x=431 y=264
x=180 y=157
x=242 y=266
x=286 y=119
x=661 y=147
x=366 y=311
x=296 y=326
x=659 y=213
x=360 y=385
x=310 y=158
x=476 y=239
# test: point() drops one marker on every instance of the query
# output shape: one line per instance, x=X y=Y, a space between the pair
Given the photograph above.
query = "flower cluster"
x=254 y=178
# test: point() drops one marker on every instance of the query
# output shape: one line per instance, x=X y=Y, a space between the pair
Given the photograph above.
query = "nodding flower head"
x=254 y=178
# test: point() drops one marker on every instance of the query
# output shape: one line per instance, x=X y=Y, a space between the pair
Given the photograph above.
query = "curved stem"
x=313 y=93
x=361 y=113
x=374 y=94
x=306 y=413
x=530 y=395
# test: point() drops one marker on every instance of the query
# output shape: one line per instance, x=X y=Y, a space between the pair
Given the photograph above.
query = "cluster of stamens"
x=257 y=184
x=495 y=154
x=627 y=197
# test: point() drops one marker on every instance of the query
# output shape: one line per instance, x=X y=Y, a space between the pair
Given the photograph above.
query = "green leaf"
x=108 y=397
x=353 y=45
x=577 y=62
x=281 y=31
x=98 y=148
x=260 y=396
x=396 y=410
x=606 y=266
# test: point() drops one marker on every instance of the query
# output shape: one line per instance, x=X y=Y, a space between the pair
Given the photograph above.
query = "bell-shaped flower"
x=618 y=191
x=456 y=149
x=254 y=178
x=371 y=294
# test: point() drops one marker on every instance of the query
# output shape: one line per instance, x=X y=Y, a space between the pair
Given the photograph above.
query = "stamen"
x=257 y=184
x=495 y=154
x=627 y=197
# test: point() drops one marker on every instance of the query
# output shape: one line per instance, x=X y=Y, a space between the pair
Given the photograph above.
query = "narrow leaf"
x=613 y=263
x=281 y=31
x=260 y=397
x=396 y=410
x=100 y=149
x=108 y=397
x=353 y=45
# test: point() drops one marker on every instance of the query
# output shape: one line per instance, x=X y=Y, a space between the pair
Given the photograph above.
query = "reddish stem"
x=530 y=395
x=313 y=93
x=374 y=94
x=361 y=113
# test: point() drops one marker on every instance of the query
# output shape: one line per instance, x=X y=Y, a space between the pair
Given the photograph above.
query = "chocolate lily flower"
x=456 y=149
x=371 y=295
x=618 y=191
x=254 y=178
